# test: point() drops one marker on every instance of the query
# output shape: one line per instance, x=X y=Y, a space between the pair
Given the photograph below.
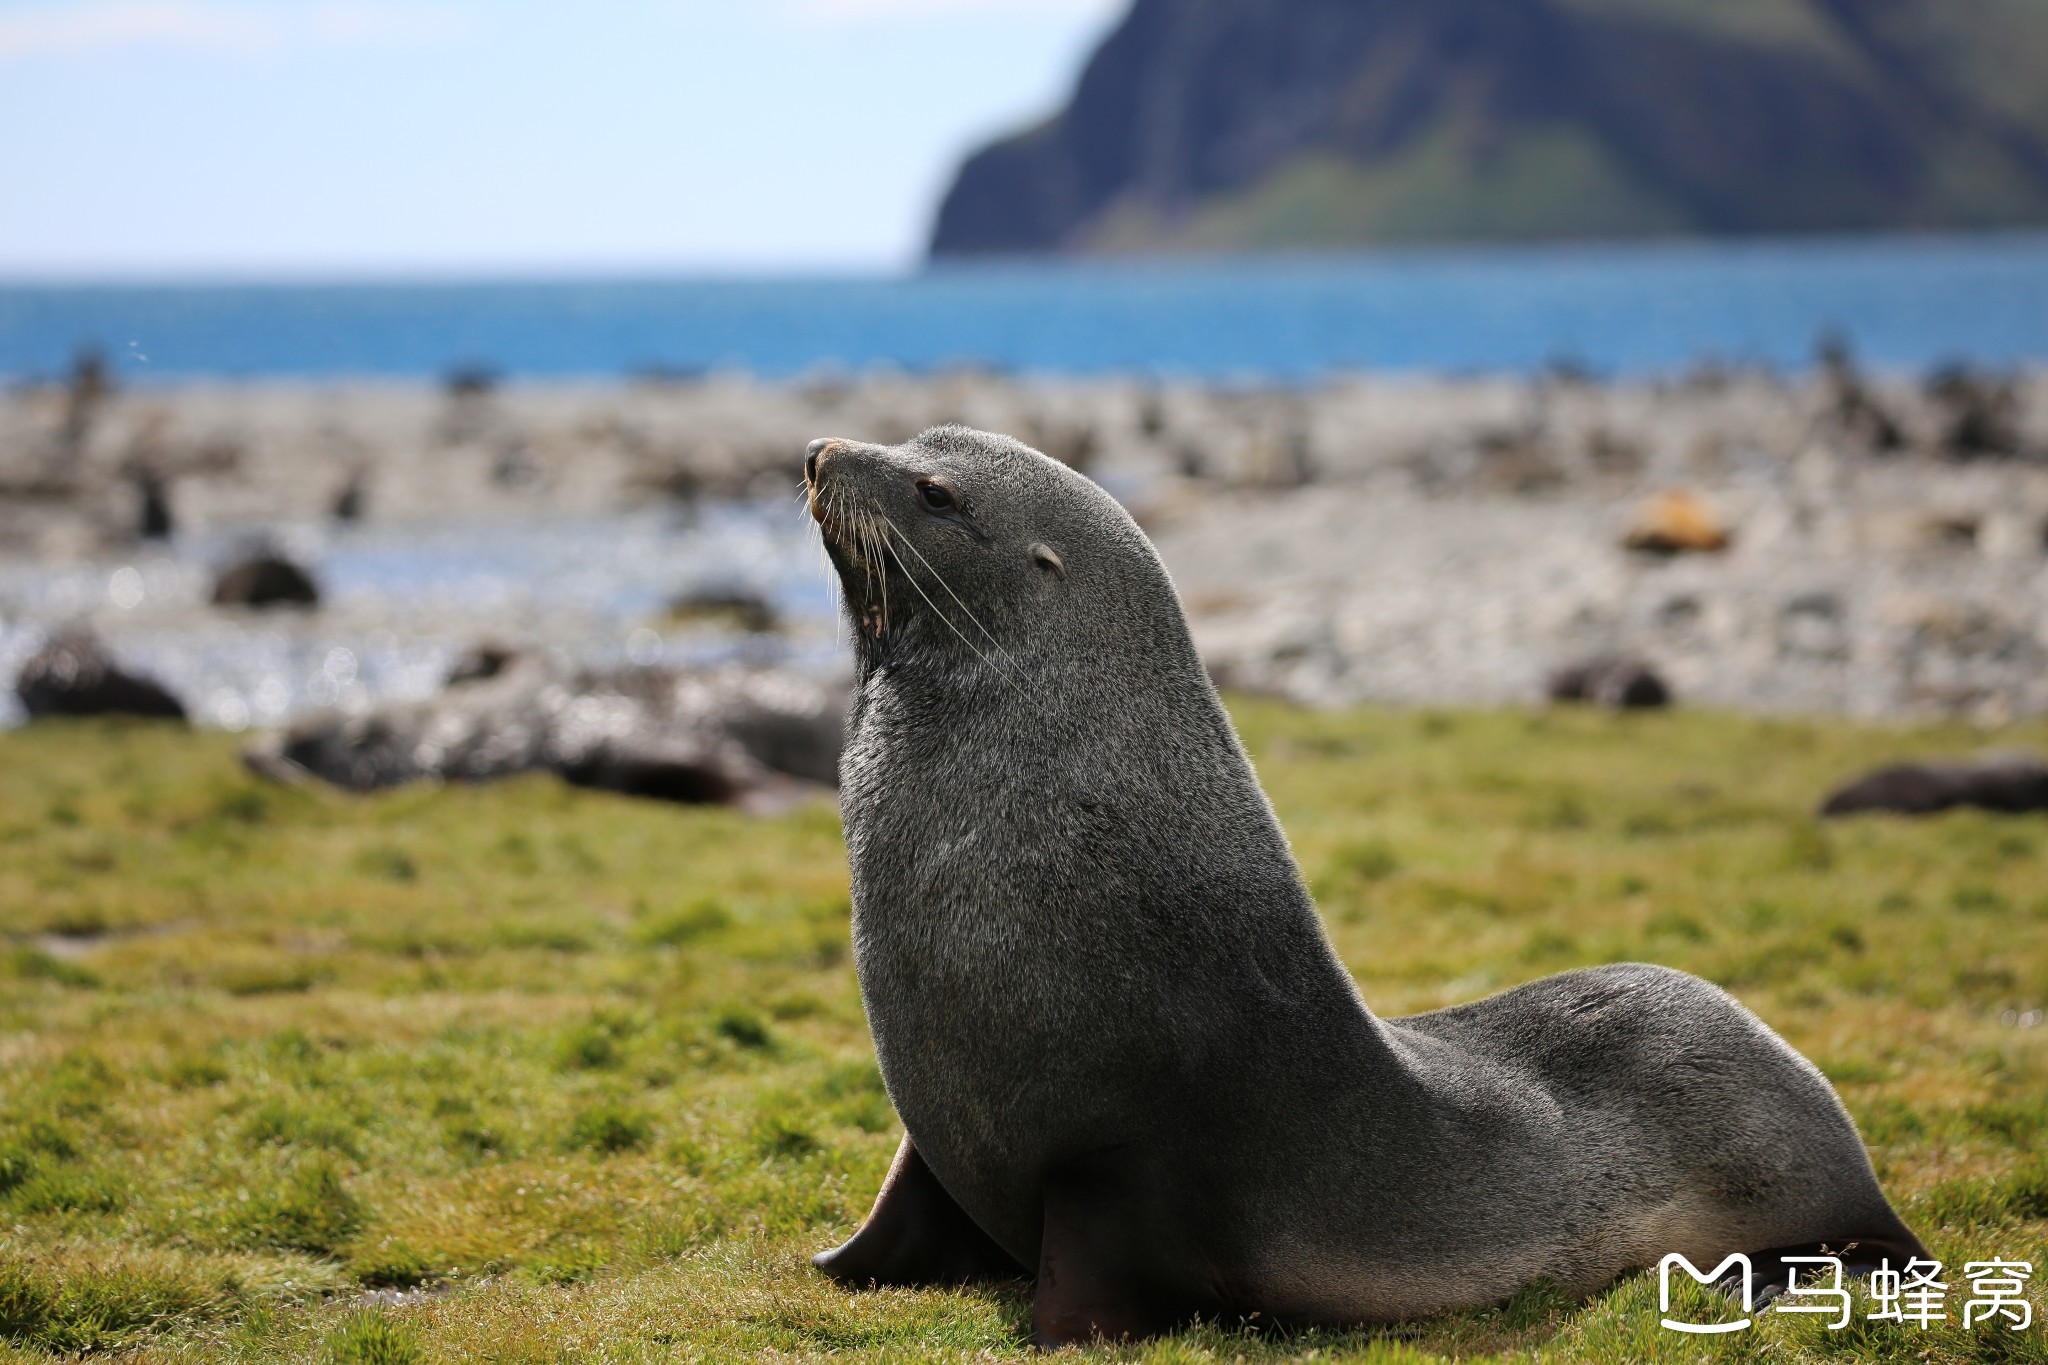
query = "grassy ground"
x=568 y=1077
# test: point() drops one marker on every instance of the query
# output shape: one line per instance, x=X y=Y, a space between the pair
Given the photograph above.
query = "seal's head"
x=964 y=544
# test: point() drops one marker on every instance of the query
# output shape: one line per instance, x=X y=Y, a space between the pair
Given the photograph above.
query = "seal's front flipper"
x=916 y=1235
x=1102 y=1273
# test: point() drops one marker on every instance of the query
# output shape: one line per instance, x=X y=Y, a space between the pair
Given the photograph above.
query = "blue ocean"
x=1905 y=303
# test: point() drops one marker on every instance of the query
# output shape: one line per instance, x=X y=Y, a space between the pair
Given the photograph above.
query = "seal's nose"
x=812 y=453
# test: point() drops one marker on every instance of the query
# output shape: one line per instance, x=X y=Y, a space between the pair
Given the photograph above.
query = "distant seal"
x=1610 y=682
x=2011 y=784
x=1126 y=1057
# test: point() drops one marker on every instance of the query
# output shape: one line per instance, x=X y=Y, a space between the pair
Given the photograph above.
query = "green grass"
x=1541 y=181
x=521 y=1073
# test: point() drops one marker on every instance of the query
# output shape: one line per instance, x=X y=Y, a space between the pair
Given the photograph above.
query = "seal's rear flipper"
x=916 y=1235
x=1101 y=1277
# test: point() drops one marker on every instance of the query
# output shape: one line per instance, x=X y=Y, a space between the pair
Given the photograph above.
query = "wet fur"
x=1113 y=1026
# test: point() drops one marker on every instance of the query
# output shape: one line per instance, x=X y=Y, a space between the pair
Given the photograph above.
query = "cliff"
x=1257 y=124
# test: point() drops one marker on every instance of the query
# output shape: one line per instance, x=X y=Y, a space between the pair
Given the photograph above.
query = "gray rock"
x=752 y=737
x=266 y=580
x=739 y=607
x=74 y=675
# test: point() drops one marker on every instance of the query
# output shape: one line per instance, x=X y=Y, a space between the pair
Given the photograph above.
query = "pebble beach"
x=1840 y=542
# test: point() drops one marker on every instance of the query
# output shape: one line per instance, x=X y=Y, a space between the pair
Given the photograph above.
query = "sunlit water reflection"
x=402 y=601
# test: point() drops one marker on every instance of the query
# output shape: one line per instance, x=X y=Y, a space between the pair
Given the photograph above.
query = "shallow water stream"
x=402 y=600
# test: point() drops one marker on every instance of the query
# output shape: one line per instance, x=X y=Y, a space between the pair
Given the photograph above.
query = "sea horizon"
x=1624 y=308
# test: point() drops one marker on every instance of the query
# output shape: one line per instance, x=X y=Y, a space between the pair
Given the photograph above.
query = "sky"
x=317 y=139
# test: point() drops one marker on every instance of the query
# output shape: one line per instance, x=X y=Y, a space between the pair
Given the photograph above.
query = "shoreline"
x=1427 y=539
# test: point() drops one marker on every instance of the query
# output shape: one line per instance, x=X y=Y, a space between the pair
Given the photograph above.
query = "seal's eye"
x=937 y=496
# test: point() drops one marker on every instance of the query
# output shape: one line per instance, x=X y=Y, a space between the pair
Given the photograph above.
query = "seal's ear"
x=1049 y=561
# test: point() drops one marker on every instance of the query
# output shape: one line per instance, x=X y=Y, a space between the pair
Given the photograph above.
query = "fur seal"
x=1611 y=683
x=1127 y=1059
x=2011 y=784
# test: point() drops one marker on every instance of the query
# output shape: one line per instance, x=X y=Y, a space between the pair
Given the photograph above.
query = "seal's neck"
x=1102 y=797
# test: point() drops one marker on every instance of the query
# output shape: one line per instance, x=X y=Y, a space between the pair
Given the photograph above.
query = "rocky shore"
x=1875 y=545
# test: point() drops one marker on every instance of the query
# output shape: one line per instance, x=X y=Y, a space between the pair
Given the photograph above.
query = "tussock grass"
x=522 y=1073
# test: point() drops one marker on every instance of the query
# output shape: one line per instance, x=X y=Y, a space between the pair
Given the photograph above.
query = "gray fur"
x=1082 y=938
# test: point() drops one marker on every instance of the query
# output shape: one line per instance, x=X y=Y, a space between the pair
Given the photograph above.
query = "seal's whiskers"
x=862 y=539
x=803 y=498
x=870 y=539
x=1000 y=671
x=881 y=569
x=940 y=578
x=998 y=664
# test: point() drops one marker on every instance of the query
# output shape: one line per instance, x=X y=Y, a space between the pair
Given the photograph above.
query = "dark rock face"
x=751 y=737
x=1260 y=123
x=74 y=675
x=1615 y=684
x=2010 y=783
x=266 y=580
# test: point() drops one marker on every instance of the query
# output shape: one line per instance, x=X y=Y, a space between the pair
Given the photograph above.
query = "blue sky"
x=308 y=139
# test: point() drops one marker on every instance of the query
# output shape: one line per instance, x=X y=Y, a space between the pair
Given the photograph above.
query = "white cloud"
x=221 y=29
x=151 y=23
x=861 y=11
